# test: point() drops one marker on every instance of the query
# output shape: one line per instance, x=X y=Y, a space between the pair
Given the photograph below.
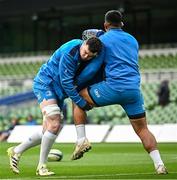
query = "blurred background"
x=30 y=31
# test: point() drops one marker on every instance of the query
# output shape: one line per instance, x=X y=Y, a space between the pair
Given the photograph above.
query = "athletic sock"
x=155 y=155
x=81 y=136
x=32 y=141
x=47 y=141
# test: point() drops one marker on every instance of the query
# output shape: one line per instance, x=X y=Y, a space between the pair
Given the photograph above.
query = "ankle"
x=81 y=140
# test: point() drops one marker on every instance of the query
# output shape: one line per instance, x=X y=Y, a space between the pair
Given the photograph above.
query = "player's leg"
x=97 y=95
x=15 y=153
x=79 y=116
x=51 y=113
x=136 y=113
x=48 y=101
x=149 y=143
x=52 y=108
x=82 y=144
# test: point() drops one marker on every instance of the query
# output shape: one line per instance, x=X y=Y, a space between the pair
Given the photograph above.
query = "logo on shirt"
x=97 y=93
x=48 y=93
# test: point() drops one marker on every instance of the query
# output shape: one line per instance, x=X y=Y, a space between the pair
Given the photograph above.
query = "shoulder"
x=75 y=47
x=72 y=47
x=74 y=51
x=129 y=36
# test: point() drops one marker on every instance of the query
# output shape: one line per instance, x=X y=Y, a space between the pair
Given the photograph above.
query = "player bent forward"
x=54 y=82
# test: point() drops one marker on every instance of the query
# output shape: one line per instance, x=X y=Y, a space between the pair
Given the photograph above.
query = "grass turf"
x=104 y=161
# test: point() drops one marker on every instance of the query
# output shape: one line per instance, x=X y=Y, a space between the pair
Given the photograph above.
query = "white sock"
x=47 y=141
x=32 y=141
x=155 y=155
x=80 y=129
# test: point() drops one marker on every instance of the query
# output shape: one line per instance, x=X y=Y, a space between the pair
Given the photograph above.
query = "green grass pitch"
x=104 y=161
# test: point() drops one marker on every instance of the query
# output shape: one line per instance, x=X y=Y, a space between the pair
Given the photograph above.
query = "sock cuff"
x=154 y=152
x=80 y=125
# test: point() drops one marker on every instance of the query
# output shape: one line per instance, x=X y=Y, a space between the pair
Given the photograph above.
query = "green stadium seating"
x=109 y=114
x=158 y=62
x=11 y=90
x=17 y=69
x=31 y=68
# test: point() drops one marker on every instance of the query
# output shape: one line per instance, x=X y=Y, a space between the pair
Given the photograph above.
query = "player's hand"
x=87 y=107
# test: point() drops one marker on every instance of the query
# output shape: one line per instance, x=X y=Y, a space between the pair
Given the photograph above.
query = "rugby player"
x=55 y=81
x=121 y=85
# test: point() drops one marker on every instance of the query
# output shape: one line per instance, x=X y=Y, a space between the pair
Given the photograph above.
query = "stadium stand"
x=110 y=114
x=17 y=72
x=28 y=66
x=158 y=62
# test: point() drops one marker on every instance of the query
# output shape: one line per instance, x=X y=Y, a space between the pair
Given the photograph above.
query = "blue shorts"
x=131 y=100
x=43 y=91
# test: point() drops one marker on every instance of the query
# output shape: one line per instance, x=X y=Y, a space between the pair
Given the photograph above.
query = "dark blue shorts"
x=131 y=100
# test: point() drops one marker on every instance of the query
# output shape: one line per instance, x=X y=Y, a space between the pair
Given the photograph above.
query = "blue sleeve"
x=91 y=69
x=67 y=67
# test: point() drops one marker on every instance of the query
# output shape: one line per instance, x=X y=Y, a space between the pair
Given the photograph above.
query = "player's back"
x=121 y=62
x=49 y=71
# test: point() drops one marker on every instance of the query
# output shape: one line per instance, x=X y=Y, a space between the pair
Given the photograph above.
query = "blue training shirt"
x=121 y=60
x=61 y=69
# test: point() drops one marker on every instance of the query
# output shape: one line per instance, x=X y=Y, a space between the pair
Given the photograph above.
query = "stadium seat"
x=109 y=114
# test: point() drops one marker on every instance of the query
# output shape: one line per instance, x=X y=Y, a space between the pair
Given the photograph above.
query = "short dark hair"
x=114 y=17
x=95 y=45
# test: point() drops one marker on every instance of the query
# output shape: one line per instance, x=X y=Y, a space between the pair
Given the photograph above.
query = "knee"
x=52 y=115
x=54 y=123
x=84 y=93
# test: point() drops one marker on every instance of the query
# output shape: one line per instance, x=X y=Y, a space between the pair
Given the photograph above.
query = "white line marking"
x=102 y=175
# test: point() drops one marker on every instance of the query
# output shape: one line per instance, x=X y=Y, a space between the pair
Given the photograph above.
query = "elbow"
x=92 y=72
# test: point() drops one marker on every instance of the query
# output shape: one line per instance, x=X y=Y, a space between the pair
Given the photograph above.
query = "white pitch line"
x=86 y=176
x=101 y=175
